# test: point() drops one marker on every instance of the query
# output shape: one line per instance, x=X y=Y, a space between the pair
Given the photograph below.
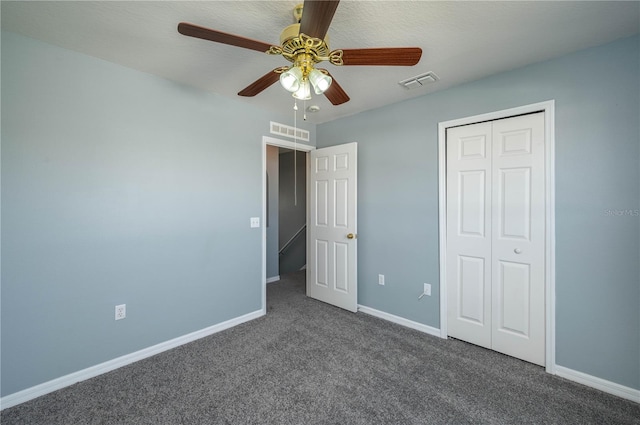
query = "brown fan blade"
x=335 y=93
x=317 y=16
x=260 y=84
x=196 y=31
x=391 y=56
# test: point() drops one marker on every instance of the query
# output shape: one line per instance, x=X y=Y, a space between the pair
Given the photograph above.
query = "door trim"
x=548 y=107
x=266 y=140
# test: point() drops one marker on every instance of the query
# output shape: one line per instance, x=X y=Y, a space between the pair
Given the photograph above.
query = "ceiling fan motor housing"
x=302 y=50
x=291 y=41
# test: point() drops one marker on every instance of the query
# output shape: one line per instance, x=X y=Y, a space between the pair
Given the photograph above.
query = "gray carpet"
x=306 y=362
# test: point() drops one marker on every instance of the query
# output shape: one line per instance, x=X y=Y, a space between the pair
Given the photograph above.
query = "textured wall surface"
x=119 y=187
x=597 y=174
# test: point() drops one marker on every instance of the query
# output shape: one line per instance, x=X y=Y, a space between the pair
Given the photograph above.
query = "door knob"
x=351 y=236
x=517 y=250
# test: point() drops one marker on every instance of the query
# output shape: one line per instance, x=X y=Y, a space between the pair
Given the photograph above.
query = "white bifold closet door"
x=495 y=235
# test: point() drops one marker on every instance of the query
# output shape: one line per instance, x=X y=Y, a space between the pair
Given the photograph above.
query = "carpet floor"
x=307 y=362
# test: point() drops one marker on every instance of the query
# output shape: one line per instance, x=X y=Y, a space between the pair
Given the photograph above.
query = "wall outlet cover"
x=121 y=311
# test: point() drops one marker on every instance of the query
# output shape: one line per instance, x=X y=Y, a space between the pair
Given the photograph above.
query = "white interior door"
x=518 y=238
x=332 y=229
x=495 y=235
x=469 y=233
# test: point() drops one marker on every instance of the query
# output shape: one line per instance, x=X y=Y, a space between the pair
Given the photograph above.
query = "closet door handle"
x=517 y=250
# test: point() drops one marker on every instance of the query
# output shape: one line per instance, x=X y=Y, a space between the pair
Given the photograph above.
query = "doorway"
x=292 y=211
x=478 y=307
x=270 y=229
x=331 y=219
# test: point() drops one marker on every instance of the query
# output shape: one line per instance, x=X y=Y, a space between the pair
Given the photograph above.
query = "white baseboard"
x=273 y=279
x=570 y=374
x=598 y=383
x=400 y=320
x=90 y=372
x=82 y=375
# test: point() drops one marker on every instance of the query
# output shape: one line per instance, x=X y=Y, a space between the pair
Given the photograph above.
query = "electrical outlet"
x=254 y=222
x=427 y=289
x=121 y=311
x=380 y=279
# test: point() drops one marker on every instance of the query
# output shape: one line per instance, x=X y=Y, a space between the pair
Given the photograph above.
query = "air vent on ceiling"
x=288 y=131
x=419 y=80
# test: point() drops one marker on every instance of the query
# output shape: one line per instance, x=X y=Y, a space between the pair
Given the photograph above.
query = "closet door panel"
x=517 y=267
x=469 y=233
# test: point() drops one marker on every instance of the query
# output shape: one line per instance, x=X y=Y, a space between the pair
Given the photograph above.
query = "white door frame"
x=548 y=107
x=266 y=140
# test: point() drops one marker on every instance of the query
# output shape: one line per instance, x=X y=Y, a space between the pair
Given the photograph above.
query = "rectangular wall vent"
x=288 y=131
x=419 y=80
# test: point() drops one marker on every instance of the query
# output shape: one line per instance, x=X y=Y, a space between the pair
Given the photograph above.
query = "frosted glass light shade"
x=319 y=81
x=304 y=92
x=291 y=79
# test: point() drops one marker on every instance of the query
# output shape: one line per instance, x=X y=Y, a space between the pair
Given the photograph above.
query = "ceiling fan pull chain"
x=295 y=152
x=304 y=110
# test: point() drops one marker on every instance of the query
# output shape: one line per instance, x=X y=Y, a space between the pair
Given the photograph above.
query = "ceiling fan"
x=304 y=44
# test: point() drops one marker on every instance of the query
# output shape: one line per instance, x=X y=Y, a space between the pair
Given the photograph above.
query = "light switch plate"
x=255 y=221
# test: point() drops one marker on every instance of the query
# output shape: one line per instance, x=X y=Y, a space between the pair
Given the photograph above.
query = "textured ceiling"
x=461 y=41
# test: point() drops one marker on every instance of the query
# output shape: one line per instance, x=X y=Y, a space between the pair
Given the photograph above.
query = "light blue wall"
x=597 y=94
x=119 y=187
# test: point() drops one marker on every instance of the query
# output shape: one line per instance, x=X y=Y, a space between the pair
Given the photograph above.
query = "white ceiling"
x=461 y=41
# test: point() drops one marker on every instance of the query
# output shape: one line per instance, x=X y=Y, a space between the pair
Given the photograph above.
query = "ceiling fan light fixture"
x=305 y=44
x=291 y=79
x=304 y=92
x=319 y=81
